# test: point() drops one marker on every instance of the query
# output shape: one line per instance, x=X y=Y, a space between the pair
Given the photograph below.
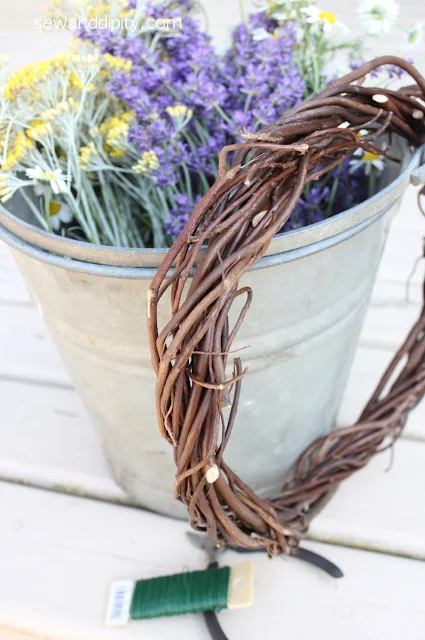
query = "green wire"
x=179 y=594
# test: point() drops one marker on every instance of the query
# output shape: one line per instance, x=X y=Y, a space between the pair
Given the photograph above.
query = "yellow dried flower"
x=4 y=180
x=55 y=112
x=115 y=130
x=39 y=131
x=117 y=64
x=79 y=84
x=116 y=153
x=31 y=76
x=127 y=14
x=87 y=154
x=179 y=112
x=17 y=152
x=94 y=12
x=6 y=193
x=148 y=162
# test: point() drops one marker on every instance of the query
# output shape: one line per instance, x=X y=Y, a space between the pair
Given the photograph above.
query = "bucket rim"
x=147 y=273
x=24 y=236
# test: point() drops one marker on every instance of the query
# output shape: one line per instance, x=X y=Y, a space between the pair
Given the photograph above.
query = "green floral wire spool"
x=210 y=590
x=176 y=595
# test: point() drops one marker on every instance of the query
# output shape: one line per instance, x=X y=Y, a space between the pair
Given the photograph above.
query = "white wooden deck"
x=65 y=533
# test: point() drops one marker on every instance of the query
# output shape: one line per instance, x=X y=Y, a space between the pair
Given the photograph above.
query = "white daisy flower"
x=326 y=19
x=60 y=214
x=280 y=9
x=55 y=178
x=366 y=160
x=260 y=34
x=379 y=15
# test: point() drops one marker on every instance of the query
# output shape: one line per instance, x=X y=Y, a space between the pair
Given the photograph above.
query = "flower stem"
x=47 y=209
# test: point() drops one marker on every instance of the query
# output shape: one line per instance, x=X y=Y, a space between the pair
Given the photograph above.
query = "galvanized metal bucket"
x=311 y=292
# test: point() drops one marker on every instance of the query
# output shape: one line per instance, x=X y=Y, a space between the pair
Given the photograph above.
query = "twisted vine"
x=228 y=232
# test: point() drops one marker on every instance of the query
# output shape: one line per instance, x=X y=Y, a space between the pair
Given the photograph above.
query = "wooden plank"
x=26 y=349
x=380 y=507
x=13 y=289
x=404 y=246
x=47 y=441
x=404 y=243
x=59 y=554
x=409 y=216
x=391 y=315
x=368 y=368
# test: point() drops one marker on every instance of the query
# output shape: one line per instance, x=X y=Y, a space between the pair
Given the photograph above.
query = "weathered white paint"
x=59 y=554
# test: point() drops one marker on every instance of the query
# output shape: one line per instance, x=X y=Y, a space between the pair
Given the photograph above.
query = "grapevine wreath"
x=228 y=232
